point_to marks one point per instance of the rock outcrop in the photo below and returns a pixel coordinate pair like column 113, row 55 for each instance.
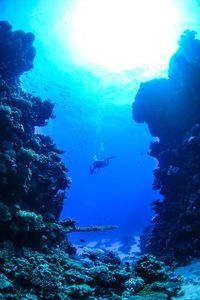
column 32, row 176
column 171, row 108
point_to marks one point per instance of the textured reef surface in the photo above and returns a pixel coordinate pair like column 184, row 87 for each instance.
column 171, row 109
column 36, row 259
column 32, row 177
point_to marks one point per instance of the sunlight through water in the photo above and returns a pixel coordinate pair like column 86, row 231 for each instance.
column 121, row 35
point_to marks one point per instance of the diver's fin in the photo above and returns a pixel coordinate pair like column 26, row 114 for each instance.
column 111, row 157
column 91, row 170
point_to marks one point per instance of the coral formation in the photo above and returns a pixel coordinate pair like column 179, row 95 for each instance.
column 16, row 51
column 54, row 275
column 171, row 107
column 36, row 259
column 32, row 177
column 71, row 226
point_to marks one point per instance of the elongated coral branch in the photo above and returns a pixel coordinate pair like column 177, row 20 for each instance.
column 90, row 228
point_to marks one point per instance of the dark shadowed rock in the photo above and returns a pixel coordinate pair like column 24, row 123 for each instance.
column 171, row 109
column 16, row 51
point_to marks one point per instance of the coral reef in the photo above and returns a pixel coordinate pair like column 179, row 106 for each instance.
column 36, row 259
column 54, row 275
column 32, row 177
column 171, row 109
column 16, row 51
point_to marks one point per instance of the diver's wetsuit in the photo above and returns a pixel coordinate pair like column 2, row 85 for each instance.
column 98, row 164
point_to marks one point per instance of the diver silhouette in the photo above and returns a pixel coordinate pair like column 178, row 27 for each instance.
column 98, row 164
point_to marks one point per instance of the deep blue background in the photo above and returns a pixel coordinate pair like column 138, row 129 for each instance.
column 93, row 117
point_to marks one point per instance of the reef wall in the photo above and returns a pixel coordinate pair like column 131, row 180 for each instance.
column 32, row 177
column 35, row 260
column 171, row 109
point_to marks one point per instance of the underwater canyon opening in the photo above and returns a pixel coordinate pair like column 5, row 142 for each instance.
column 96, row 106
column 81, row 144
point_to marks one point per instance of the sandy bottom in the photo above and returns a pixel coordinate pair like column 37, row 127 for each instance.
column 191, row 280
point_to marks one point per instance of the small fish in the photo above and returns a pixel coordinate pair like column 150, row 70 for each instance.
column 82, row 241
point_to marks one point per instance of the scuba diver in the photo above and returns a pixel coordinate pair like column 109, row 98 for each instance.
column 98, row 164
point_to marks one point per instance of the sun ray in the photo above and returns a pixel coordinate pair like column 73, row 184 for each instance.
column 123, row 34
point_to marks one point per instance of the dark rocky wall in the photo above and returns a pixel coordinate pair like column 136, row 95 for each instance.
column 32, row 177
column 171, row 108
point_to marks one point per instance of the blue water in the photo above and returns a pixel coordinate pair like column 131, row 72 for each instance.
column 93, row 117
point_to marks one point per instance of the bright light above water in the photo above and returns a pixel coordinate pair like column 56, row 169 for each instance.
column 123, row 34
